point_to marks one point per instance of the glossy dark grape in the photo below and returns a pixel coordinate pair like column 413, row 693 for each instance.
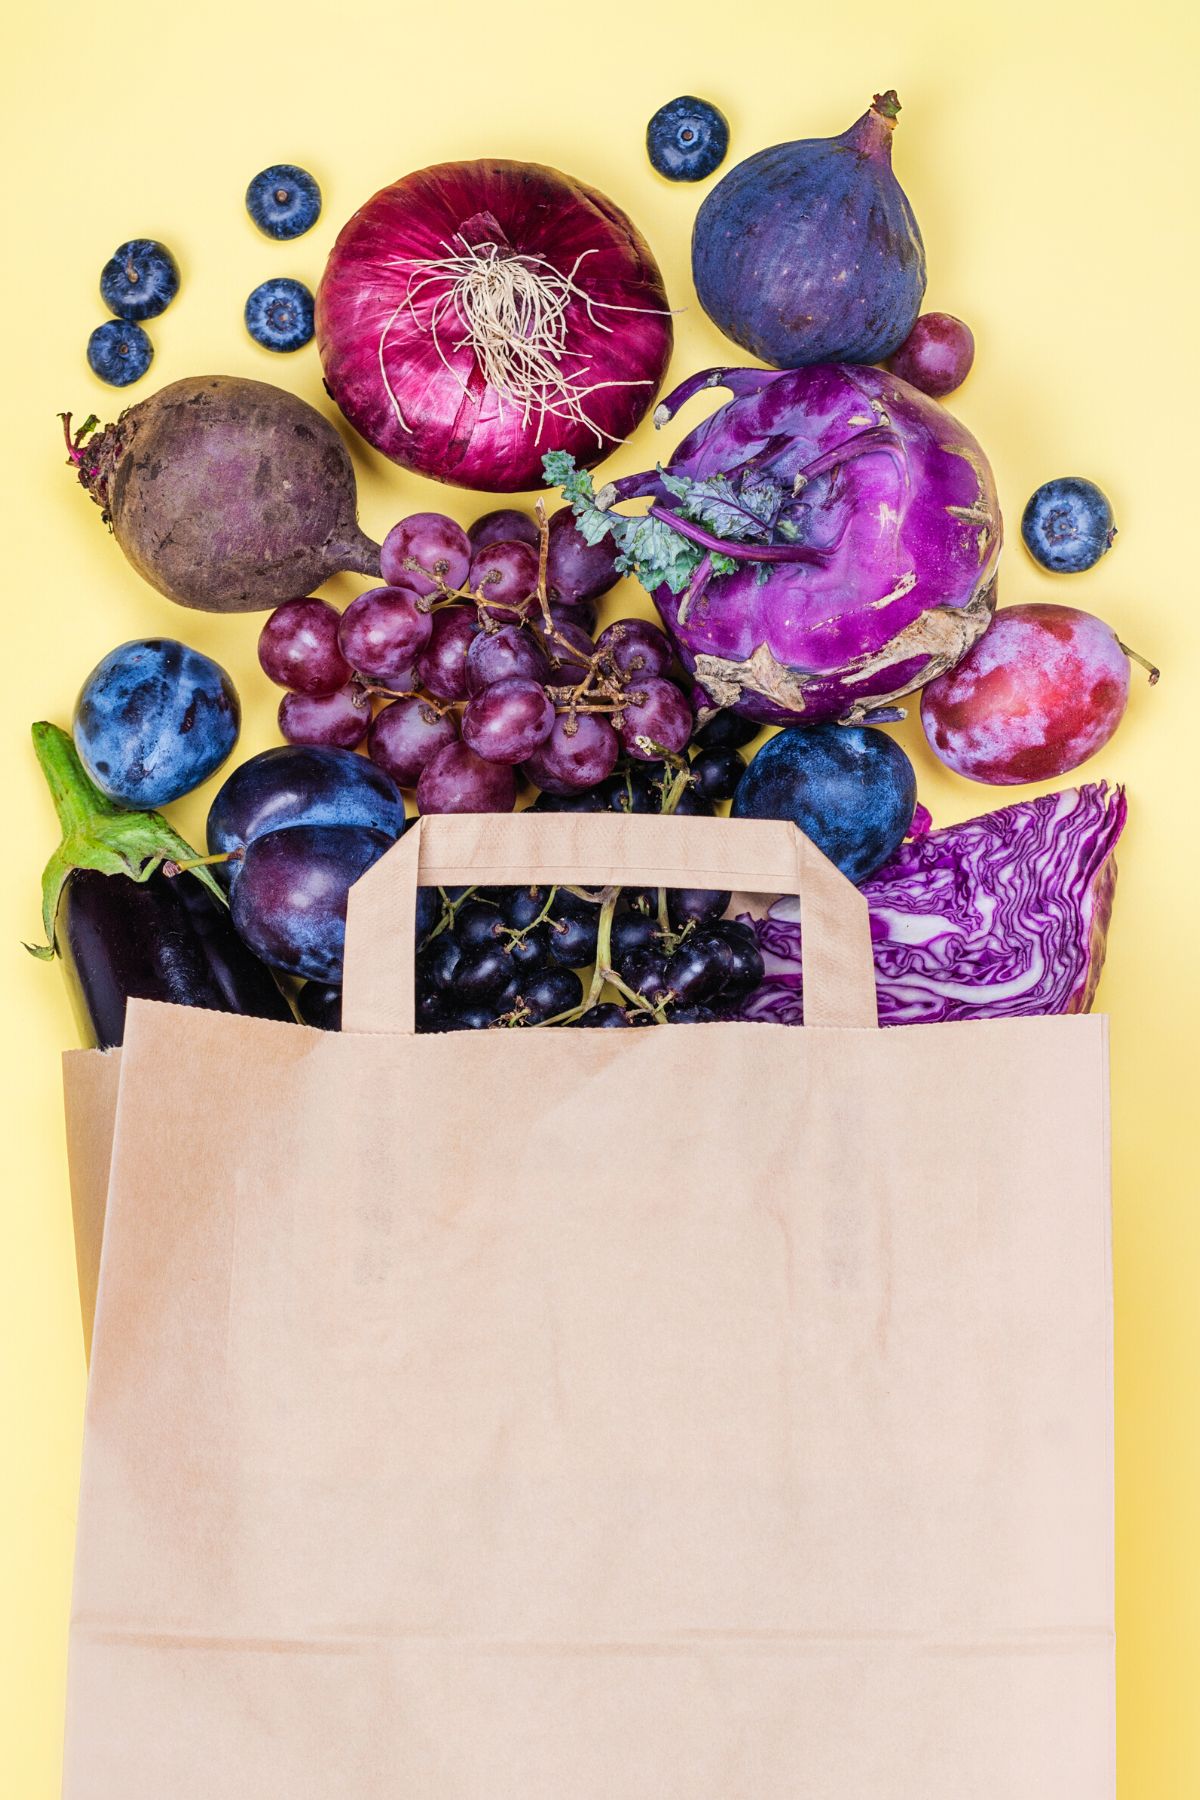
column 748, row 968
column 636, row 647
column 716, row 773
column 582, row 614
column 438, row 963
column 520, row 906
column 699, row 968
column 633, row 934
column 289, row 902
column 456, row 780
column 646, row 974
column 442, row 665
column 495, row 655
column 298, row 648
column 725, row 730
column 691, row 1015
column 320, row 1004
column 604, row 1016
column 383, row 632
column 575, row 569
column 505, row 575
column 631, row 790
column 550, row 992
column 481, row 975
column 472, row 1018
column 506, row 723
column 340, row 721
column 531, row 952
column 655, row 710
column 406, row 735
column 697, row 906
column 477, row 923
column 577, row 754
column 573, row 941
column 425, row 552
column 505, row 525
column 590, row 800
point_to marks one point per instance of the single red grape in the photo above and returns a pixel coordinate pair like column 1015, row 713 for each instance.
column 442, row 665
column 383, row 632
column 936, row 356
column 505, row 723
column 654, row 709
column 575, row 569
column 568, row 667
column 636, row 647
column 339, row 720
column 425, row 552
column 582, row 614
column 570, row 760
column 298, row 648
column 408, row 734
column 456, row 780
column 505, row 525
column 495, row 655
column 506, row 575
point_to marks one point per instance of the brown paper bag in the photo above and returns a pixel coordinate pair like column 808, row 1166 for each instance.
column 719, row 1412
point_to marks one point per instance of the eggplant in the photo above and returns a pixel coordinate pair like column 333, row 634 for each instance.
column 124, row 924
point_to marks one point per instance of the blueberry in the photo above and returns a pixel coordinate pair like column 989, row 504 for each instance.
column 850, row 788
column 279, row 315
column 153, row 720
column 119, row 352
column 1068, row 525
column 687, row 139
column 139, row 280
column 284, row 201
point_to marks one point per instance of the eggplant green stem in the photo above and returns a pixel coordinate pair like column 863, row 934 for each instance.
column 97, row 833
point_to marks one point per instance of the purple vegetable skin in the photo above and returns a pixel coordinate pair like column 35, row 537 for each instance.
column 885, row 574
column 1003, row 917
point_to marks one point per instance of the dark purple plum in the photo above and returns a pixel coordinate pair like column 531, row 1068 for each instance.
column 850, row 788
column 339, row 720
column 301, row 785
column 406, row 735
column 289, row 903
column 298, row 648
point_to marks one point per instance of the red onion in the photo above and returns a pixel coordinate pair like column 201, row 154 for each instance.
column 475, row 315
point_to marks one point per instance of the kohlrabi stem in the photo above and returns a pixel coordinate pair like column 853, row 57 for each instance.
column 1148, row 666
column 740, row 552
column 738, row 381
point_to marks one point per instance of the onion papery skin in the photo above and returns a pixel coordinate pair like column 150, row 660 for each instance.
column 460, row 429
column 1003, row 917
column 906, row 535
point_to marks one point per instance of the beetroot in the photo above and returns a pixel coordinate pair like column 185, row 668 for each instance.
column 227, row 495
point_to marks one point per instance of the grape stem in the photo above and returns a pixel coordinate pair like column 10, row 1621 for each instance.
column 449, row 912
column 519, row 934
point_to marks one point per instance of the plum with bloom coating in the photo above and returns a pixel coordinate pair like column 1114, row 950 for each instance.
column 849, row 788
column 153, row 720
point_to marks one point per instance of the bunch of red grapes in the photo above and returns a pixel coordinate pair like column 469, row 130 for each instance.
column 480, row 649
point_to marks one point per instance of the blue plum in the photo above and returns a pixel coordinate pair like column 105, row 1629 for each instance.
column 153, row 720
column 1068, row 525
column 302, row 785
column 289, row 903
column 849, row 788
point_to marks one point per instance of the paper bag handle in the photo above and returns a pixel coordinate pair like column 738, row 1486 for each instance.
column 763, row 856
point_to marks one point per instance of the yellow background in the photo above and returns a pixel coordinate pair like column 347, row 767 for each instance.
column 1048, row 151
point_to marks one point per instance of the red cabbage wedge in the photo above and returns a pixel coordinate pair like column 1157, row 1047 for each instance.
column 1003, row 917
